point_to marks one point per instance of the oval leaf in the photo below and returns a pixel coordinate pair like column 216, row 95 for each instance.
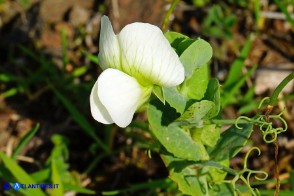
column 174, row 139
column 231, row 142
column 196, row 55
column 196, row 112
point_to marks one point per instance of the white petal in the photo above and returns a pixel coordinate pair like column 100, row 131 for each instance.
column 98, row 111
column 109, row 51
column 120, row 94
column 147, row 55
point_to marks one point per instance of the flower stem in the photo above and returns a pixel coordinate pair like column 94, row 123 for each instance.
column 167, row 15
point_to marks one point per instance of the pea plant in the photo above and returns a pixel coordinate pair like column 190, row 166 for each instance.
column 168, row 76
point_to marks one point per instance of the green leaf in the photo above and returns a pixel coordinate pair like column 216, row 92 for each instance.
column 175, row 99
column 196, row 113
column 20, row 175
column 230, row 20
column 9, row 93
column 79, row 71
column 79, row 118
column 176, row 140
column 229, row 94
column 184, row 45
column 213, row 94
column 193, row 178
column 64, row 47
column 200, row 3
column 196, row 55
column 41, row 176
column 56, row 179
column 4, row 77
column 59, row 155
column 5, row 174
column 60, row 151
column 183, row 174
column 217, row 174
column 175, row 38
column 208, row 134
column 24, row 140
column 215, row 31
column 236, row 69
column 231, row 142
column 222, row 189
column 251, row 106
column 250, row 94
column 284, row 9
column 91, row 57
column 245, row 190
column 195, row 86
column 78, row 189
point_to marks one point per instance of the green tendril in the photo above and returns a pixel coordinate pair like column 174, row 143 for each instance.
column 247, row 155
column 264, row 122
column 250, row 172
column 241, row 118
column 270, row 134
column 244, row 175
column 268, row 129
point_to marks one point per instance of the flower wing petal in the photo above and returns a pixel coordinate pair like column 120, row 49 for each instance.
column 120, row 94
column 109, row 51
column 98, row 111
column 147, row 55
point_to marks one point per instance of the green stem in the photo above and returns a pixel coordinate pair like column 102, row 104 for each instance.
column 218, row 166
column 279, row 88
column 167, row 16
column 229, row 121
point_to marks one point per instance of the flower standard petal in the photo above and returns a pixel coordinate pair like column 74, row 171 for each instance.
column 147, row 55
column 121, row 95
column 109, row 51
column 98, row 111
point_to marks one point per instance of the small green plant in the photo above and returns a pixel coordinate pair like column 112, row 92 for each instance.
column 185, row 116
column 55, row 171
column 194, row 151
column 218, row 24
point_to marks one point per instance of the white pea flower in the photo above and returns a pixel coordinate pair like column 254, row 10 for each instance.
column 133, row 61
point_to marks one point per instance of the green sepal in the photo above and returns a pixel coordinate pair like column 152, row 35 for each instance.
column 158, row 92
